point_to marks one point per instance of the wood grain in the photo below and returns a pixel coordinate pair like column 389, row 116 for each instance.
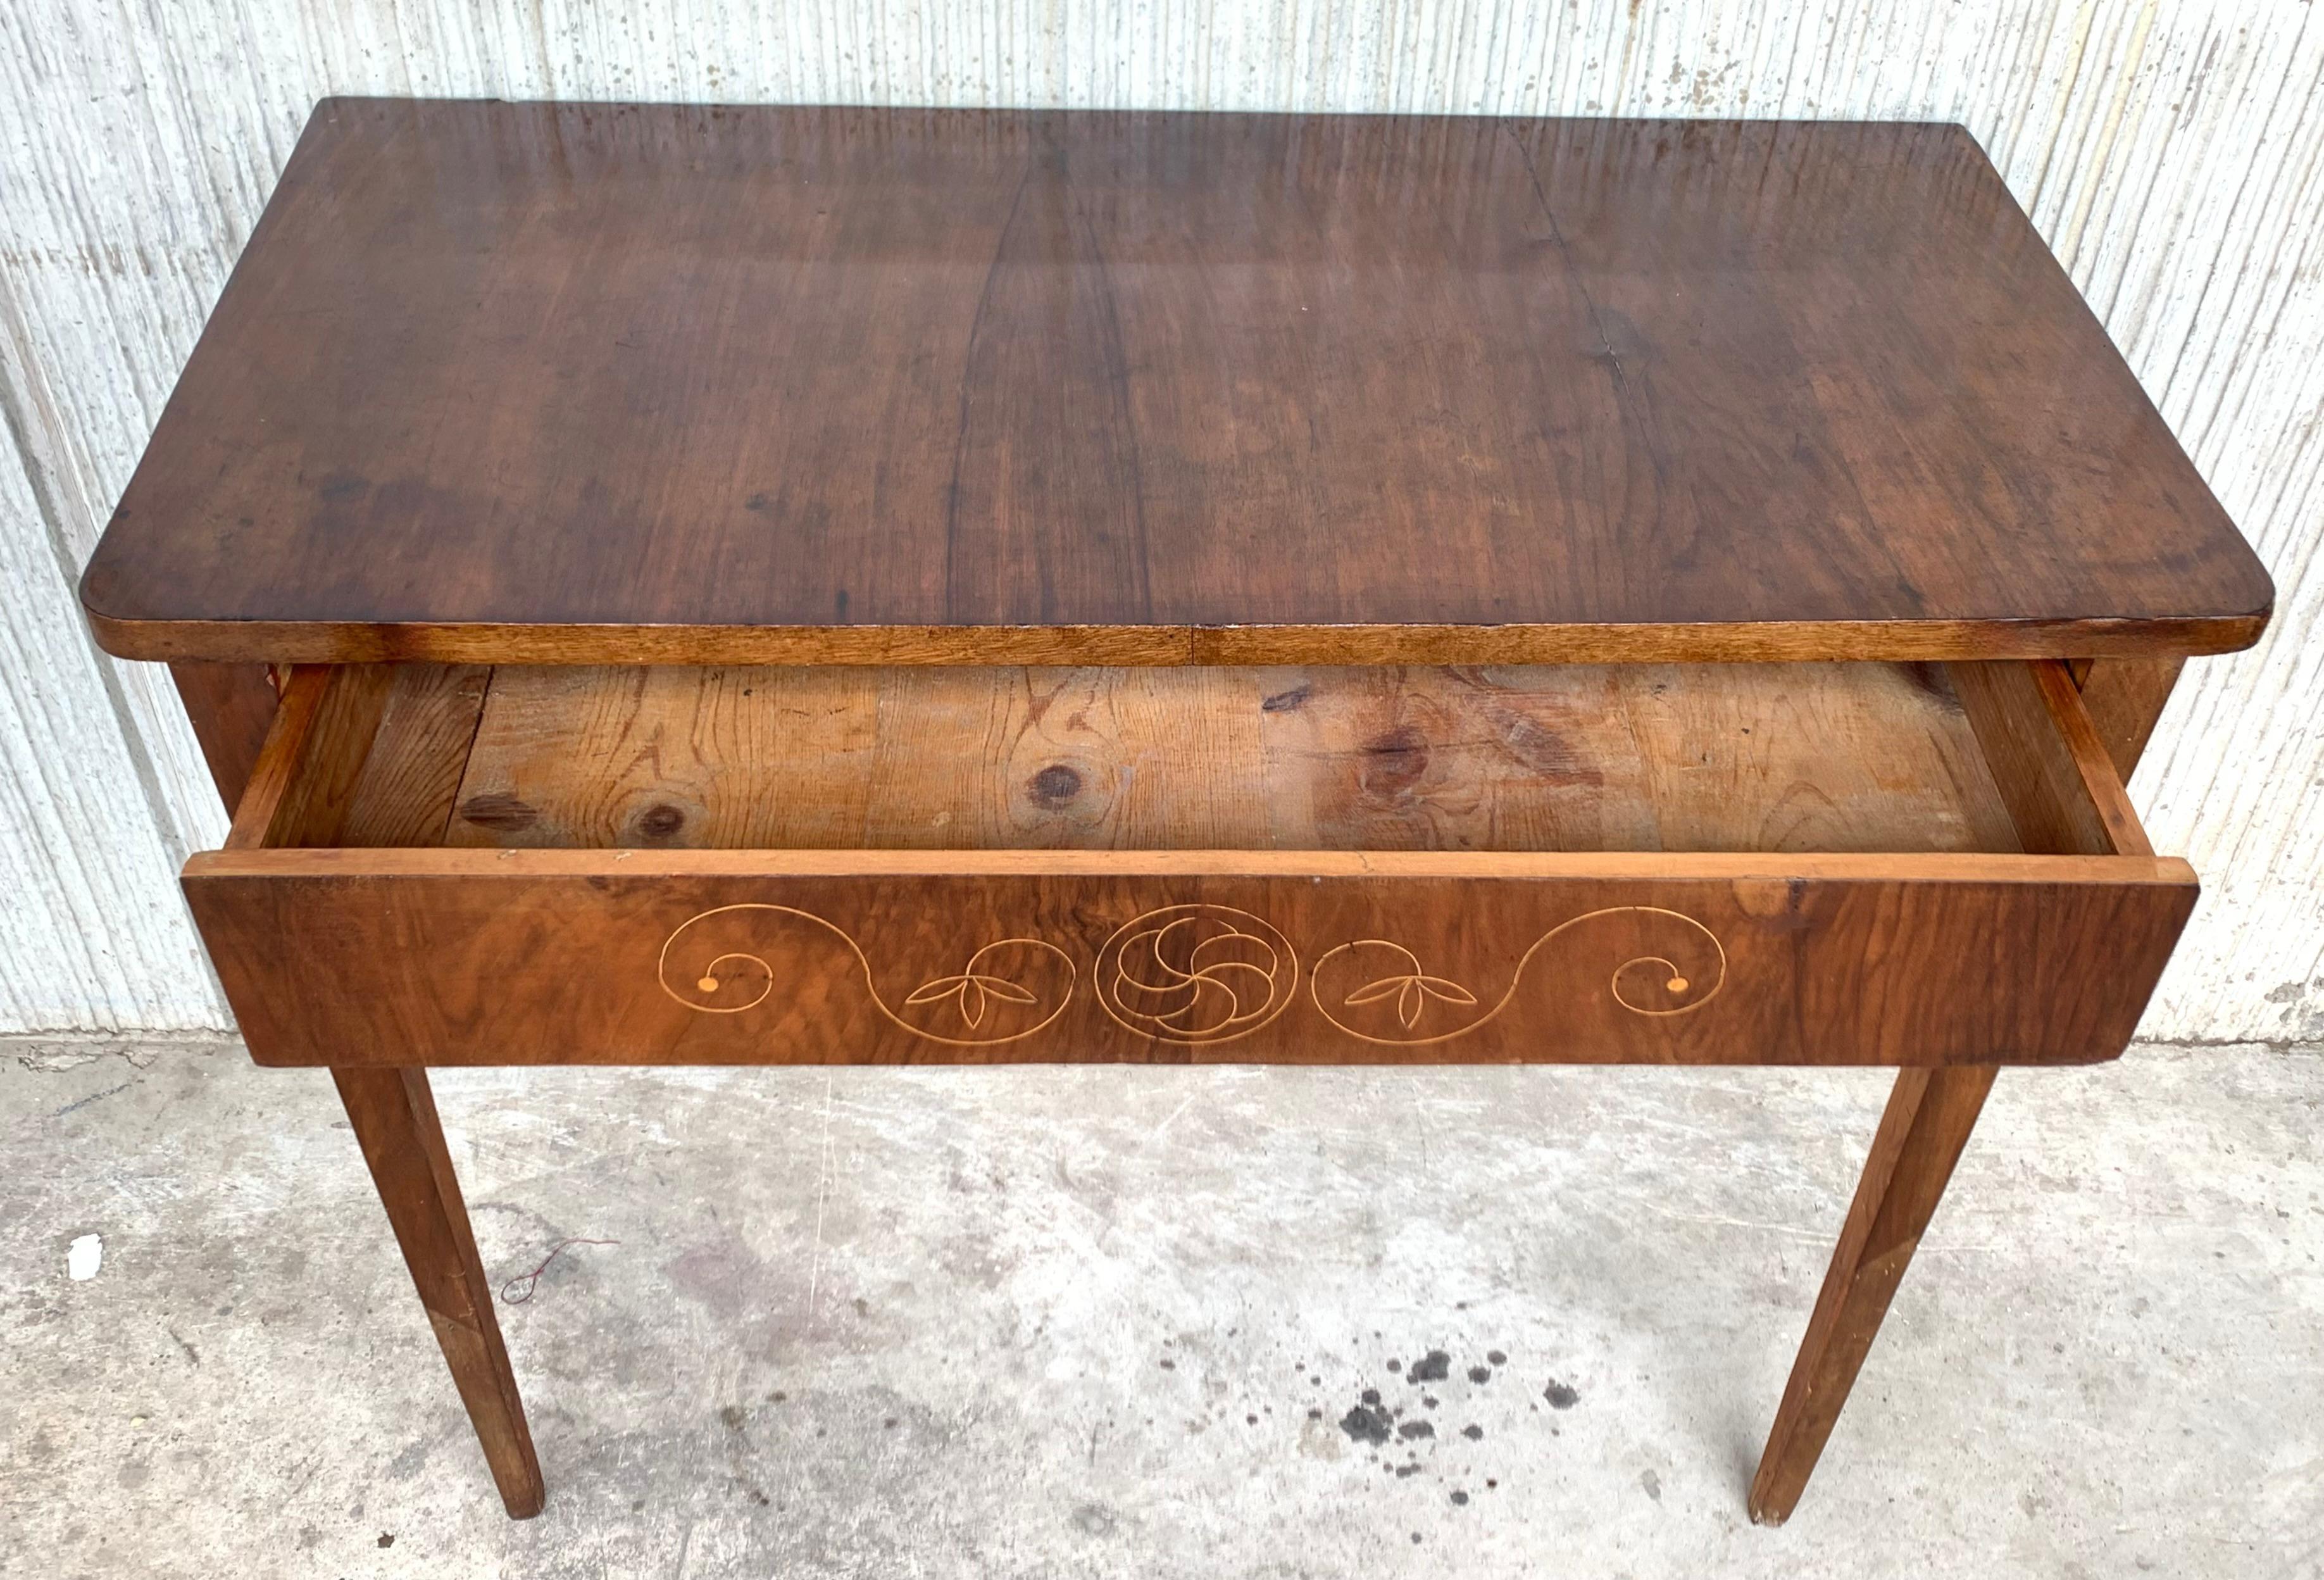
column 2051, row 767
column 1770, row 757
column 2061, row 777
column 1923, row 1131
column 898, row 847
column 393, row 1115
column 277, row 778
column 626, row 383
column 231, row 707
column 2125, row 699
column 363, row 754
column 412, row 771
column 329, row 722
column 451, row 957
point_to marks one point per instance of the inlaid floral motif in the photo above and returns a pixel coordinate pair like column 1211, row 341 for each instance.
column 1192, row 973
column 1681, row 966
column 702, row 968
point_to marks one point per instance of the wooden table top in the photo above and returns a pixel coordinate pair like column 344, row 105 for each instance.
column 533, row 382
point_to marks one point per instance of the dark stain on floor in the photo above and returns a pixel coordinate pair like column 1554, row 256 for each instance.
column 734, row 1419
column 1413, row 1445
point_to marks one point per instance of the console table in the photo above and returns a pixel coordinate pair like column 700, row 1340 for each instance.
column 675, row 584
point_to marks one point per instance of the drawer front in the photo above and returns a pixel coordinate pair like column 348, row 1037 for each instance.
column 371, row 956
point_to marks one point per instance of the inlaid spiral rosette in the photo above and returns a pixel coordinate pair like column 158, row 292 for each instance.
column 1196, row 973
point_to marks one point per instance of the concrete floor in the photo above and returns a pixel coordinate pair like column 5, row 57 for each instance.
column 1064, row 1322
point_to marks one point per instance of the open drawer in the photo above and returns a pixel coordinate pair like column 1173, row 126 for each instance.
column 1825, row 864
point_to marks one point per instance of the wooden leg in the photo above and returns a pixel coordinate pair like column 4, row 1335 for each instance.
column 232, row 708
column 394, row 1117
column 1922, row 1133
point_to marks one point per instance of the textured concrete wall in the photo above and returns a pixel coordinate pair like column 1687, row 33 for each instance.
column 2173, row 154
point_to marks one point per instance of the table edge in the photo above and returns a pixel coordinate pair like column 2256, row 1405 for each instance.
column 1740, row 642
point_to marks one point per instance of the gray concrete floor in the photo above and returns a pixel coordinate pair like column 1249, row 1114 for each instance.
column 1096, row 1321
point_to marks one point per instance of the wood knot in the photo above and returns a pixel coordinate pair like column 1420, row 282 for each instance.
column 661, row 820
column 1054, row 786
column 1394, row 762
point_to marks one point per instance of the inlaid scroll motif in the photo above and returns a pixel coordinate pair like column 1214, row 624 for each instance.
column 1656, row 962
column 1196, row 973
column 736, row 958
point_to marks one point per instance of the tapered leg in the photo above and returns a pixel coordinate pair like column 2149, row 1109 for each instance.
column 1922, row 1133
column 394, row 1117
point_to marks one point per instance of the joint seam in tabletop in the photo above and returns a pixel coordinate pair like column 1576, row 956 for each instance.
column 968, row 361
column 1117, row 367
column 1589, row 302
column 1633, row 399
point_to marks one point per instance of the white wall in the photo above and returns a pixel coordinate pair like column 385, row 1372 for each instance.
column 2172, row 155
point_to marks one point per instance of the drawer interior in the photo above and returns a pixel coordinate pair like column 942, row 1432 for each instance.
column 1841, row 758
column 1779, row 863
